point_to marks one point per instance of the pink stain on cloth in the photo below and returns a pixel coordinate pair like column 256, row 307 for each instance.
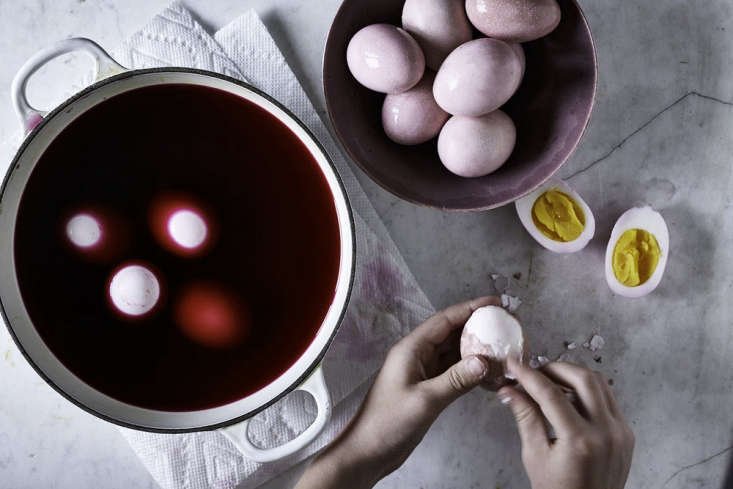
column 386, row 302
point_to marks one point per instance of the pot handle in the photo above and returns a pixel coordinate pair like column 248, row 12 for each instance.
column 238, row 433
column 104, row 66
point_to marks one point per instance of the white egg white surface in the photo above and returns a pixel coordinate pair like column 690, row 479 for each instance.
column 493, row 332
column 649, row 220
column 524, row 210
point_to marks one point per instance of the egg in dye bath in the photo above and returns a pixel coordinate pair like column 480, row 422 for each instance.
column 182, row 225
column 211, row 316
column 473, row 147
column 413, row 117
column 514, row 20
column 134, row 290
column 385, row 58
column 557, row 217
column 522, row 57
column 96, row 234
column 637, row 252
column 84, row 230
column 438, row 26
column 478, row 77
column 495, row 334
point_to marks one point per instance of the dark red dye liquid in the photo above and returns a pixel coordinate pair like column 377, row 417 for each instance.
column 277, row 246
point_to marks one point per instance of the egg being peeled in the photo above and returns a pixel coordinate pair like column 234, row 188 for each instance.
column 514, row 20
column 494, row 334
column 478, row 77
column 438, row 26
column 477, row 146
column 413, row 117
column 637, row 252
column 385, row 58
column 557, row 217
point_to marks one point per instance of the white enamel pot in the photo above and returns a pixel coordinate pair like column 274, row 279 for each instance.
column 231, row 419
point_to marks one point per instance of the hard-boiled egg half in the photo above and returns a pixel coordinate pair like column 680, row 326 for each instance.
column 557, row 217
column 637, row 252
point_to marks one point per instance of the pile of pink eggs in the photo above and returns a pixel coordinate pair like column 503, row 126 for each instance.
column 441, row 82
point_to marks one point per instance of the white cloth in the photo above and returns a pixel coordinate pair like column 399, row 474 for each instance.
column 386, row 301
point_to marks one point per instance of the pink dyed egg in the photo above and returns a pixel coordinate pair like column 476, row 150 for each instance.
column 438, row 26
column 478, row 77
column 476, row 146
column 522, row 58
column 413, row 117
column 514, row 20
column 385, row 58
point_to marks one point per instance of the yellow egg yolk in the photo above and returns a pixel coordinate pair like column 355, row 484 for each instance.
column 635, row 257
column 558, row 216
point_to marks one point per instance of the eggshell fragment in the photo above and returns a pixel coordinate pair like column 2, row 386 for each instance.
column 385, row 58
column 413, row 117
column 476, row 146
column 649, row 220
column 524, row 208
column 495, row 334
column 514, row 20
column 478, row 77
column 438, row 26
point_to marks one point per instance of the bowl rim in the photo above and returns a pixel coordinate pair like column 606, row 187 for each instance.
column 365, row 168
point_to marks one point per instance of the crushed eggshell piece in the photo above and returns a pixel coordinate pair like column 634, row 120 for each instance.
column 595, row 343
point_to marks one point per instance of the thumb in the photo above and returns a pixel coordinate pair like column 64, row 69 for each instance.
column 529, row 417
column 457, row 380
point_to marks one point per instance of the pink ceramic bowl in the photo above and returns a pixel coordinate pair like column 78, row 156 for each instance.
column 551, row 110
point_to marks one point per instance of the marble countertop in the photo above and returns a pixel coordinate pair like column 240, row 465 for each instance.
column 660, row 133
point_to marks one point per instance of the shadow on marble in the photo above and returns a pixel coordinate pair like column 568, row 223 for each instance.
column 728, row 484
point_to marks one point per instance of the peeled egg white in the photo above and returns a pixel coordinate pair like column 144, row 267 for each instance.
column 524, row 210
column 494, row 334
column 651, row 221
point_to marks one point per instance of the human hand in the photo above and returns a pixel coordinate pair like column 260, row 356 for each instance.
column 594, row 443
column 421, row 376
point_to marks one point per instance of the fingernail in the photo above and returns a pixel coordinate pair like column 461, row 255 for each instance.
column 504, row 399
column 477, row 367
